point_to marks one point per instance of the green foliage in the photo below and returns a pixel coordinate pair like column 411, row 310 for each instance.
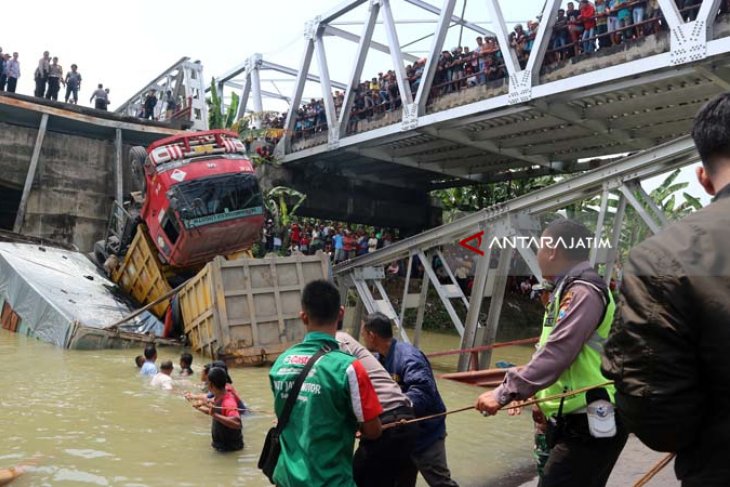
column 215, row 119
column 278, row 201
column 520, row 316
column 232, row 112
column 634, row 230
column 473, row 198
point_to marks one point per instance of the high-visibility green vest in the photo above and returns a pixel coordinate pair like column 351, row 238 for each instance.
column 585, row 371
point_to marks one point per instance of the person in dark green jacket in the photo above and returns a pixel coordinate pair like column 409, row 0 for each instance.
column 668, row 352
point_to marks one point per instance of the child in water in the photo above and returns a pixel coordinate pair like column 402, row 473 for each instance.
column 203, row 386
column 139, row 360
column 186, row 360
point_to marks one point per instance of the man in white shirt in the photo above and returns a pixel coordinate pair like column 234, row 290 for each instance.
column 372, row 243
column 162, row 379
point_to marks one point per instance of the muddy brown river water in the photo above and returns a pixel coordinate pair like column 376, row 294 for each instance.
column 94, row 422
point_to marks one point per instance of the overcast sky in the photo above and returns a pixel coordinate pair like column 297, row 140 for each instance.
column 126, row 44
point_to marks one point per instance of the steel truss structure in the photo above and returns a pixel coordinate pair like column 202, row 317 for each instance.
column 515, row 218
column 616, row 103
column 638, row 99
column 246, row 78
column 185, row 81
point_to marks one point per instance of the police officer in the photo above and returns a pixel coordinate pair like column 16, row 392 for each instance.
column 584, row 436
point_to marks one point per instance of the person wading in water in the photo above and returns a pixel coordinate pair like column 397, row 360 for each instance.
column 226, row 427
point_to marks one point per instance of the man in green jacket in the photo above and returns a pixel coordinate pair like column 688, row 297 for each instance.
column 336, row 399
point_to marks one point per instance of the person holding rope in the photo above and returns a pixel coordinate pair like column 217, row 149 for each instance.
column 410, row 369
column 668, row 351
column 584, row 437
column 335, row 399
column 226, row 427
column 380, row 462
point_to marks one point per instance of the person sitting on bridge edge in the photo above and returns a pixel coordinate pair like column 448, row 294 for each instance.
column 668, row 350
column 380, row 462
column 150, row 355
column 409, row 367
column 584, row 443
column 226, row 427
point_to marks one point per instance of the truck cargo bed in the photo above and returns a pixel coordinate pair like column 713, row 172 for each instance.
column 141, row 274
column 246, row 311
column 58, row 296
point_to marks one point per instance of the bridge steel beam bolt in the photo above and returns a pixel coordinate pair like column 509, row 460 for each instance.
column 689, row 39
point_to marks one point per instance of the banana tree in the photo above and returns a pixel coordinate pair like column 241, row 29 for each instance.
column 666, row 197
column 216, row 120
column 277, row 201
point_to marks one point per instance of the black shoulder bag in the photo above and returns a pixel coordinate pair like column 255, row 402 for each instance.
column 272, row 447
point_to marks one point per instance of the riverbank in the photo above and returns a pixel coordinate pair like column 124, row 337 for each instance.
column 634, row 462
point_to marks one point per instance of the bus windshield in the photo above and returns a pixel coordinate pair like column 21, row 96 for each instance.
column 216, row 199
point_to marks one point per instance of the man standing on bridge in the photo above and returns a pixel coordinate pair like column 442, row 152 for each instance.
column 100, row 97
column 583, row 438
column 41, row 74
column 73, row 85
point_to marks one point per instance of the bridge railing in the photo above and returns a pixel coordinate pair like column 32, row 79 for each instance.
column 412, row 95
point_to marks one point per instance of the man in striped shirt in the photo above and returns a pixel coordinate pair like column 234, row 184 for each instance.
column 336, row 399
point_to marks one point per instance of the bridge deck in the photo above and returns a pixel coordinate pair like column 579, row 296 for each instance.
column 617, row 100
column 26, row 111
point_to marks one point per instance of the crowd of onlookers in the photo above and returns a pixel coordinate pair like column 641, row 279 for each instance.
column 340, row 241
column 9, row 71
column 583, row 27
column 49, row 78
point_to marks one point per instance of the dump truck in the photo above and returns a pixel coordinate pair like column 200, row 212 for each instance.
column 176, row 243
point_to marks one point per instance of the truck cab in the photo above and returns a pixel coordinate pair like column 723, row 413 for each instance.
column 202, row 197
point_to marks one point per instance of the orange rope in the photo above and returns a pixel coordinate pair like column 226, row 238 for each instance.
column 654, row 470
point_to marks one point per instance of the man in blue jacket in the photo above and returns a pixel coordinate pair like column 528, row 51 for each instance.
column 410, row 368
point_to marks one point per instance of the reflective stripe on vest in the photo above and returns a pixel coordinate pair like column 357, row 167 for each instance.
column 585, row 371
